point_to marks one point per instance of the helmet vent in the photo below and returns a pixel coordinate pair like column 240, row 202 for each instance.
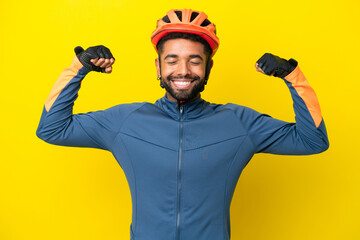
column 179, row 15
column 166, row 19
column 205, row 23
column 193, row 16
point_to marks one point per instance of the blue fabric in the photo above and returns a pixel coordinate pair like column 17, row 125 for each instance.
column 180, row 195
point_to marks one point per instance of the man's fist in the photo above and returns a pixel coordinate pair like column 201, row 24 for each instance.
column 275, row 66
column 98, row 58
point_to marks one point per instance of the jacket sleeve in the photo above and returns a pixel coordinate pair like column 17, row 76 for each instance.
column 307, row 136
column 59, row 126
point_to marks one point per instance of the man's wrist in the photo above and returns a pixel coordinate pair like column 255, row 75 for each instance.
column 293, row 63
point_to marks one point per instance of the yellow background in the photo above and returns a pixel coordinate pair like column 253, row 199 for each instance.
column 52, row 192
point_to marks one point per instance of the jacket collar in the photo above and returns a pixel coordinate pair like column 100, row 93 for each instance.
column 192, row 109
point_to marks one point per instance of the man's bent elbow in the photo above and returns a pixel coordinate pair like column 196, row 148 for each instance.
column 322, row 147
column 326, row 145
column 40, row 134
column 45, row 135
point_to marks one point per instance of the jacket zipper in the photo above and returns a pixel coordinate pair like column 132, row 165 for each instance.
column 179, row 173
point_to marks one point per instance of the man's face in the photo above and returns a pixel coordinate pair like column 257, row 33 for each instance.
column 182, row 69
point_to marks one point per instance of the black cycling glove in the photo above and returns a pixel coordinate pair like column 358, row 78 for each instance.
column 272, row 64
column 91, row 53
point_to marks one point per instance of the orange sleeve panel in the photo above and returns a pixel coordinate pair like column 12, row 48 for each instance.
column 64, row 78
column 303, row 89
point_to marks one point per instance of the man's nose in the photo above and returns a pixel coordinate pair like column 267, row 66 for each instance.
column 183, row 69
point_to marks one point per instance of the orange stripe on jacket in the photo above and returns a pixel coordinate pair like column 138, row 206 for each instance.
column 302, row 87
column 64, row 78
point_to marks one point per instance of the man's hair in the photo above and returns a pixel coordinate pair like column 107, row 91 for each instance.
column 189, row 36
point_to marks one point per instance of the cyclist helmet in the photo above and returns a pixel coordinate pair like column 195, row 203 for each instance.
column 187, row 21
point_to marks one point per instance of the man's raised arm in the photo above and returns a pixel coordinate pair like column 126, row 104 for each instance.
column 308, row 135
column 58, row 125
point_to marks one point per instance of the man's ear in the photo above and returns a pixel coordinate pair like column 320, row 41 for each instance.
column 157, row 65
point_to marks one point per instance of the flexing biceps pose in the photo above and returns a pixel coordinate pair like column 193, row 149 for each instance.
column 182, row 156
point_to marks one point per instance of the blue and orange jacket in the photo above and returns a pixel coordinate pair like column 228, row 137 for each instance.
column 182, row 163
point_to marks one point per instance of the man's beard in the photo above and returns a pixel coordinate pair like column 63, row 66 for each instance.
column 183, row 94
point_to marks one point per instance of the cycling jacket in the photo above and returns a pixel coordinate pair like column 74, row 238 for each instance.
column 182, row 163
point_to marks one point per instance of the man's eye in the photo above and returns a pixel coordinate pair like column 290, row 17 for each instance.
column 195, row 63
column 171, row 63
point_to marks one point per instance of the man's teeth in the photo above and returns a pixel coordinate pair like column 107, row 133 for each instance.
column 182, row 83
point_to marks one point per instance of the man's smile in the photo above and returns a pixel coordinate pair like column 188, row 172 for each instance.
column 181, row 84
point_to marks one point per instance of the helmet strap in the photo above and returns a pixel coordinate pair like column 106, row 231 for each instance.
column 207, row 69
column 159, row 77
column 207, row 72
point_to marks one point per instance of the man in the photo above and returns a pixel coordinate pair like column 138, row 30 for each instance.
column 182, row 156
